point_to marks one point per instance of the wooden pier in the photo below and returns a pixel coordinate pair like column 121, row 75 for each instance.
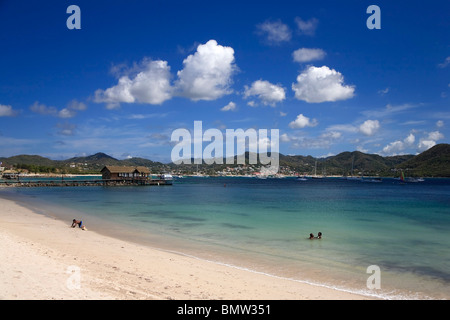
column 86, row 183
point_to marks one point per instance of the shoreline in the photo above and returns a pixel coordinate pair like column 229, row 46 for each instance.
column 42, row 256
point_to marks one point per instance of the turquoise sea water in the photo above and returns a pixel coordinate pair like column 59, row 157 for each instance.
column 263, row 224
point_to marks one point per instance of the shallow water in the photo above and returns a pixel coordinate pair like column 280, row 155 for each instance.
column 263, row 225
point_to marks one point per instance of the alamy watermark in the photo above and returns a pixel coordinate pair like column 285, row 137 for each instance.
column 262, row 148
column 74, row 20
column 73, row 282
column 374, row 21
column 374, row 280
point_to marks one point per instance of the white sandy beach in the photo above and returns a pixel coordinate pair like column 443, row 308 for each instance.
column 43, row 258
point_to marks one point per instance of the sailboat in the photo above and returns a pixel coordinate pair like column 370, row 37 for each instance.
column 410, row 179
column 402, row 178
column 315, row 176
column 352, row 177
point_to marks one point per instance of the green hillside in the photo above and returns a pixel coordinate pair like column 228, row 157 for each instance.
column 434, row 162
column 28, row 159
column 362, row 164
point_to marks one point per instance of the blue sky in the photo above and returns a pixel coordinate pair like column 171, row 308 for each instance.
column 138, row 70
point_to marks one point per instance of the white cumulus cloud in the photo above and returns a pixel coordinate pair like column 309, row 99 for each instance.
column 207, row 73
column 429, row 141
column 6, row 111
column 301, row 122
column 284, row 138
column 307, row 55
column 229, row 107
column 66, row 113
column 69, row 112
column 307, row 27
column 76, row 105
column 275, row 32
column 150, row 85
column 409, row 140
column 315, row 85
column 369, row 127
column 425, row 145
column 398, row 147
column 43, row 109
column 268, row 93
column 435, row 135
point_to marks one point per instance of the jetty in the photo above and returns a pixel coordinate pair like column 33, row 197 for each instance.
column 86, row 183
column 111, row 176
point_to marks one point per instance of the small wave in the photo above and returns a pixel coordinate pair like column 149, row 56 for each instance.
column 388, row 295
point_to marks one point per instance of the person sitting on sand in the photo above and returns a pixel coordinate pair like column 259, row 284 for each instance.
column 319, row 235
column 311, row 236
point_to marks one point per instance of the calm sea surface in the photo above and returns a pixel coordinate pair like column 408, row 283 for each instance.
column 263, row 225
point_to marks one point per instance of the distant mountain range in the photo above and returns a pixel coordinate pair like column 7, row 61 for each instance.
column 90, row 164
column 435, row 162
